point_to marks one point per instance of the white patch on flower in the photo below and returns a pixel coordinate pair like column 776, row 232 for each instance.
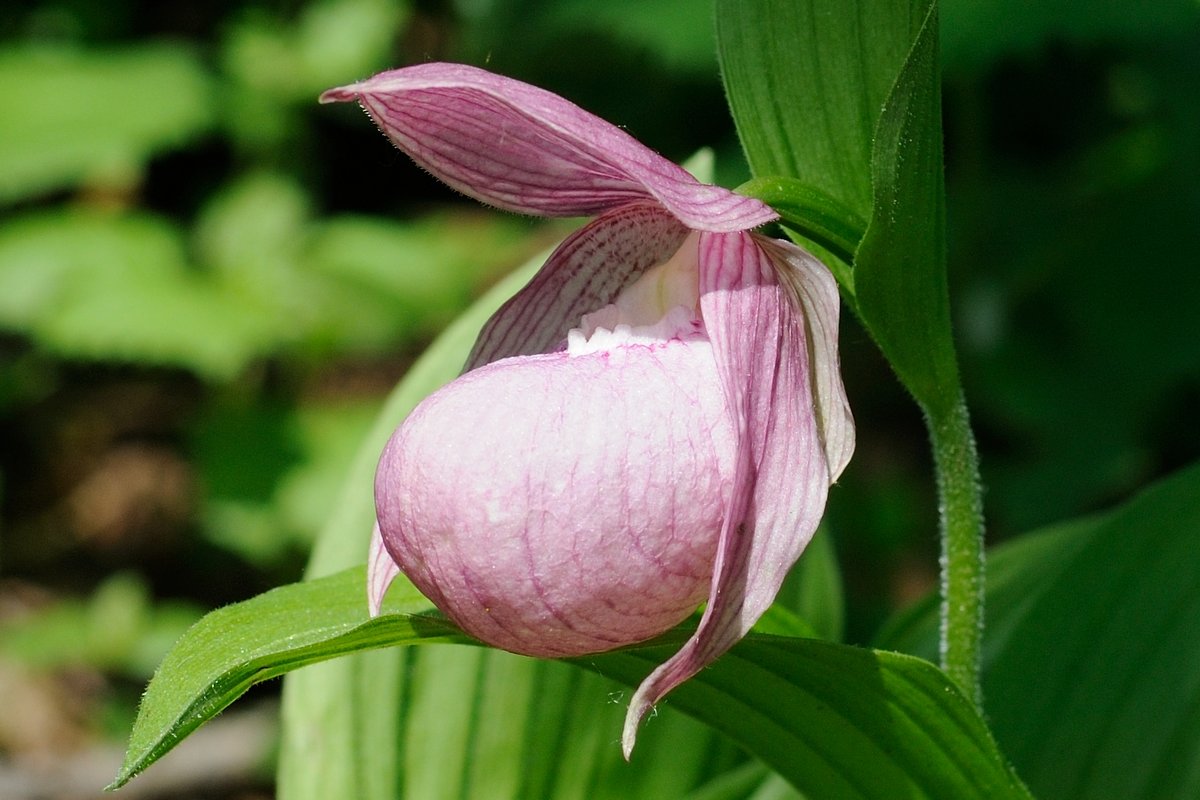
column 594, row 336
column 659, row 306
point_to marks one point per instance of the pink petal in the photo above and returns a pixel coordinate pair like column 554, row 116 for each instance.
column 586, row 272
column 763, row 354
column 381, row 571
column 527, row 150
column 559, row 504
column 815, row 294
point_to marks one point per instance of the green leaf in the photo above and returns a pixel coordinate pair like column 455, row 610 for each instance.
column 1090, row 653
column 71, row 116
column 837, row 721
column 813, row 215
column 864, row 128
column 838, row 107
column 813, row 590
column 235, row 647
column 806, row 80
column 900, row 267
column 452, row 745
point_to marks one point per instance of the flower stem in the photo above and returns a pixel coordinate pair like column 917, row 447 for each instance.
column 960, row 506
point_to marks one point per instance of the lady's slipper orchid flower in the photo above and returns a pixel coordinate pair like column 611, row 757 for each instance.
column 652, row 423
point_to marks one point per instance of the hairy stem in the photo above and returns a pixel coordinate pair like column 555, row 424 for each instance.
column 960, row 507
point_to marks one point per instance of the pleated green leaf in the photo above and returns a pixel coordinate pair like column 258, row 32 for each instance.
column 806, row 80
column 900, row 266
column 836, row 721
column 234, row 647
column 838, row 108
column 1090, row 656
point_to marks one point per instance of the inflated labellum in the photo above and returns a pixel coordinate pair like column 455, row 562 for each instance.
column 652, row 423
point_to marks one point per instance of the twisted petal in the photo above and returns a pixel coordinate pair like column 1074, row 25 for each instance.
column 814, row 293
column 527, row 150
column 766, row 355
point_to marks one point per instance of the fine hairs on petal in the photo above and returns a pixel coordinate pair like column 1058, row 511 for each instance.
column 524, row 149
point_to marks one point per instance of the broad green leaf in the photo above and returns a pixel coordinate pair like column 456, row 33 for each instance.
column 889, row 146
column 837, row 721
column 838, row 107
column 815, row 216
column 840, row 721
column 237, row 646
column 1090, row 653
column 806, row 80
column 813, row 590
column 451, row 745
column 900, row 267
column 71, row 116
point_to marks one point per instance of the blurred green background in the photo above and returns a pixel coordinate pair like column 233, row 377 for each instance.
column 208, row 283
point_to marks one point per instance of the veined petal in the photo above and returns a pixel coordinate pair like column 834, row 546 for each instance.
column 527, row 150
column 562, row 504
column 587, row 271
column 781, row 476
column 815, row 296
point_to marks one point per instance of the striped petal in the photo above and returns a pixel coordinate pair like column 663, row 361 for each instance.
column 586, row 272
column 765, row 353
column 814, row 294
column 524, row 149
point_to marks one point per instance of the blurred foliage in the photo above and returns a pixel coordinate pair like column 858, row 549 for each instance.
column 71, row 116
column 118, row 627
column 208, row 282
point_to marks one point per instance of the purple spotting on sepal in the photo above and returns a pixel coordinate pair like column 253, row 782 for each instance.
column 653, row 422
